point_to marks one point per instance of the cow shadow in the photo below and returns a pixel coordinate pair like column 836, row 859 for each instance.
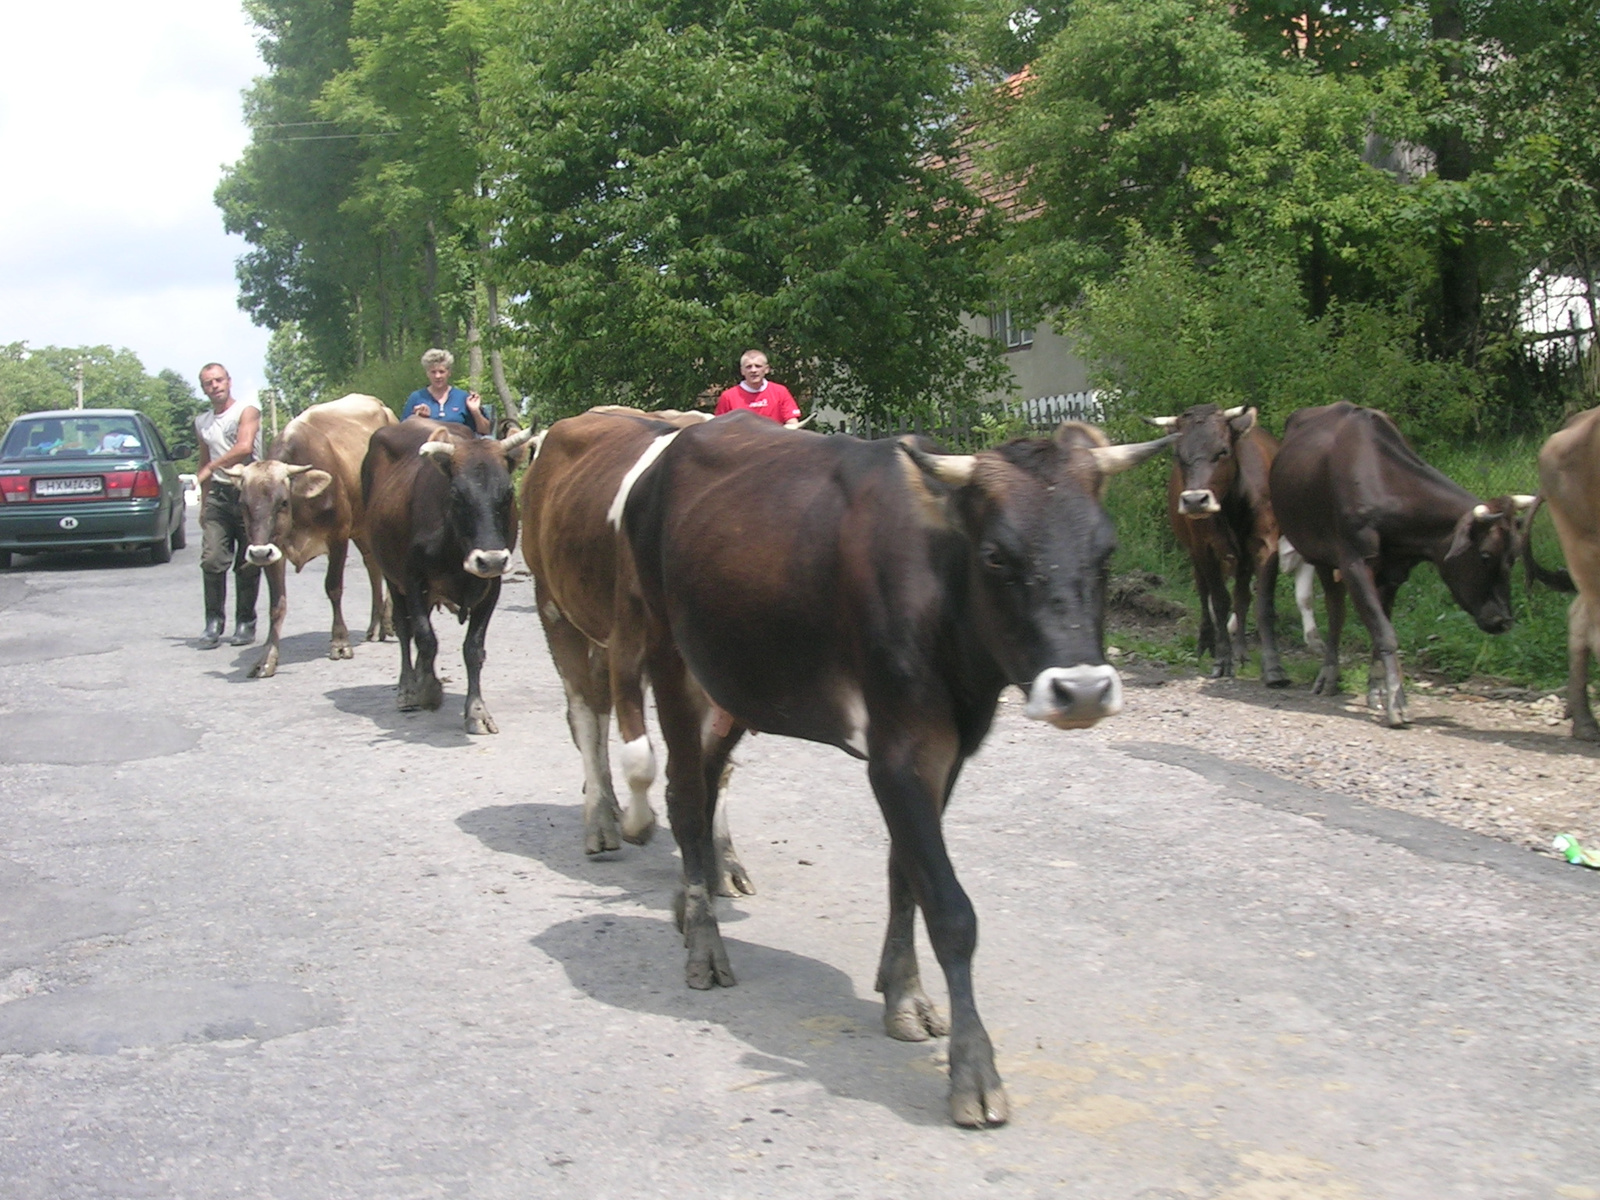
column 375, row 703
column 800, row 1018
column 1349, row 706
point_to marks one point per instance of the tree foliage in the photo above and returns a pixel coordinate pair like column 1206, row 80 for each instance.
column 44, row 378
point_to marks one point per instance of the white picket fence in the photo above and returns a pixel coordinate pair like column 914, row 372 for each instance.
column 1048, row 411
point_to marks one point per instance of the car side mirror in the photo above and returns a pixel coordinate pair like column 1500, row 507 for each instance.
column 181, row 450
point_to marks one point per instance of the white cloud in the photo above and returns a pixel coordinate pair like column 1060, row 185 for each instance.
column 121, row 117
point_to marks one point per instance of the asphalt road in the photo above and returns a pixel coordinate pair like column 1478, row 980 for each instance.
column 275, row 939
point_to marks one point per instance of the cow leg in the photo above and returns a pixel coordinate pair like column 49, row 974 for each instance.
column 477, row 715
column 380, row 625
column 1214, row 596
column 333, row 586
column 901, row 770
column 1327, row 681
column 1266, row 581
column 278, row 607
column 419, row 685
column 625, row 654
column 717, row 747
column 1304, row 600
column 1580, row 644
column 402, row 624
column 1369, row 598
column 909, row 1015
column 584, row 672
column 1206, row 642
column 689, row 813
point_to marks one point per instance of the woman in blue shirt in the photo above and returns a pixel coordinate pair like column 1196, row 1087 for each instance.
column 441, row 402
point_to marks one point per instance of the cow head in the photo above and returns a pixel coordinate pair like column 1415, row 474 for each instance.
column 1205, row 455
column 272, row 497
column 1038, row 542
column 481, row 507
column 1478, row 564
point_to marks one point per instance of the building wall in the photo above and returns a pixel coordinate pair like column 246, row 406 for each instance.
column 1049, row 366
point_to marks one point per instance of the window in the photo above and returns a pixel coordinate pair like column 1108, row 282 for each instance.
column 1004, row 328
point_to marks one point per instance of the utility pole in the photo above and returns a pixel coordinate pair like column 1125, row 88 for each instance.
column 80, row 384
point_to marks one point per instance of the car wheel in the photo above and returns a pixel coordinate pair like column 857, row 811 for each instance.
column 161, row 552
column 180, row 535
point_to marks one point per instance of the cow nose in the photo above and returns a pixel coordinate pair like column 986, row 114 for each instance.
column 1198, row 502
column 487, row 564
column 1075, row 697
column 263, row 556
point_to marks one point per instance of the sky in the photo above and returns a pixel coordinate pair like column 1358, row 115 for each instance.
column 117, row 119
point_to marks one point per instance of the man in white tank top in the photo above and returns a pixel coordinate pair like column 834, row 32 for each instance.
column 229, row 436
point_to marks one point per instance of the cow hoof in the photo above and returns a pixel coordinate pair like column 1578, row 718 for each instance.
column 640, row 835
column 1275, row 678
column 732, row 878
column 266, row 668
column 599, row 841
column 483, row 724
column 430, row 693
column 1586, row 732
column 1222, row 671
column 913, row 1018
column 977, row 1107
column 1326, row 683
column 340, row 650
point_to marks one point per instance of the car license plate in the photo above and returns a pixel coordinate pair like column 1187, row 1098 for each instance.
column 78, row 485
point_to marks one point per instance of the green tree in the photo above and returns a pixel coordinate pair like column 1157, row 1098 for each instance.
column 293, row 370
column 46, row 378
column 673, row 185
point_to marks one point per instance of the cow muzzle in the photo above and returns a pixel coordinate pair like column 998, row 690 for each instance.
column 487, row 564
column 1074, row 697
column 262, row 556
column 1200, row 502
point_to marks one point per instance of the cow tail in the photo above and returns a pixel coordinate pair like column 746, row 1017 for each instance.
column 1560, row 579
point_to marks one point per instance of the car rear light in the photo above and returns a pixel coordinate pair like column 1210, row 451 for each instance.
column 14, row 487
column 119, row 484
column 146, row 486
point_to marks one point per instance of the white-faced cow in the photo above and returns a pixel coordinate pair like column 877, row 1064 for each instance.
column 1220, row 512
column 1569, row 482
column 441, row 516
column 878, row 598
column 1364, row 509
column 304, row 499
column 572, row 551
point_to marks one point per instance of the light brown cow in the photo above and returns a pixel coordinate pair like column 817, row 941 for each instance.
column 303, row 500
column 576, row 558
column 1569, row 483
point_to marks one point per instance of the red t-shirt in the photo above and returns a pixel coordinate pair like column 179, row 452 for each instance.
column 772, row 401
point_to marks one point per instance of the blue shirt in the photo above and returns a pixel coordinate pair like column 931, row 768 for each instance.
column 452, row 408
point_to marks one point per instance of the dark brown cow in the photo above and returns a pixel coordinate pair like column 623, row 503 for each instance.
column 878, row 598
column 303, row 500
column 571, row 550
column 1220, row 512
column 1364, row 509
column 1569, row 483
column 442, row 520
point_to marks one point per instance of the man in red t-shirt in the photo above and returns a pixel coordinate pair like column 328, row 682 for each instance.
column 759, row 394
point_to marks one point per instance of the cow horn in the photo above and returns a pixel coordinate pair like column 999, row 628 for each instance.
column 1163, row 422
column 441, row 450
column 953, row 469
column 1483, row 514
column 230, row 475
column 1113, row 460
column 1240, row 411
column 1522, row 503
column 298, row 468
column 517, row 440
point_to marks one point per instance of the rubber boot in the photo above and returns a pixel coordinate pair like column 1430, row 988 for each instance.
column 216, row 609
column 244, row 607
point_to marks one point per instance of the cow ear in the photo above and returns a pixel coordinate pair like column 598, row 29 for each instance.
column 1462, row 541
column 307, row 485
column 1242, row 422
column 441, row 454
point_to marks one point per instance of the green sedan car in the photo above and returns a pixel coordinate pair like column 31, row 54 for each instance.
column 88, row 479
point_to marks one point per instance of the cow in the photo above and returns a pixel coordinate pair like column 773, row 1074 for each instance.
column 1291, row 562
column 304, row 499
column 442, row 520
column 1569, row 483
column 877, row 597
column 571, row 551
column 1360, row 505
column 1219, row 510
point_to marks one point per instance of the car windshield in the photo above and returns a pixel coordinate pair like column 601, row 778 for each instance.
column 72, row 437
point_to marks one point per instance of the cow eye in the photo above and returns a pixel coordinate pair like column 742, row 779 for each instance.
column 994, row 559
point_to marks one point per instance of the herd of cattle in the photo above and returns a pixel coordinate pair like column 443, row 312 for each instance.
column 877, row 596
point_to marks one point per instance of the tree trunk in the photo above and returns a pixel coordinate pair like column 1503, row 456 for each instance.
column 430, row 276
column 1460, row 294
column 497, row 367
